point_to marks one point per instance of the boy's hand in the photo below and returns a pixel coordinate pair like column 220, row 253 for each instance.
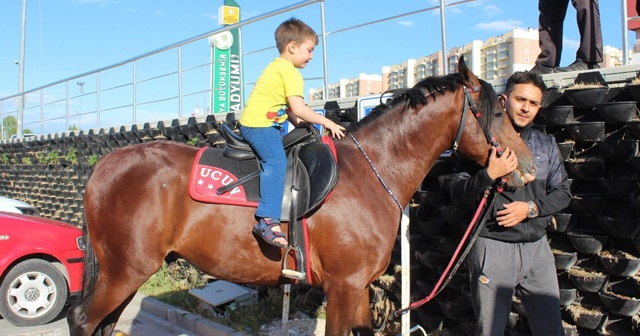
column 335, row 129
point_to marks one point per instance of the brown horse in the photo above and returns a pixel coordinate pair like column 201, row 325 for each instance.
column 138, row 210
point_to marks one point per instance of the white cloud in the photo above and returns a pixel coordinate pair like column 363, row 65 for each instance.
column 500, row 26
column 491, row 10
column 570, row 44
column 100, row 2
column 406, row 23
column 476, row 3
column 210, row 16
column 249, row 14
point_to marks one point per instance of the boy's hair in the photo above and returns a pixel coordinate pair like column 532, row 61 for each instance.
column 524, row 77
column 294, row 30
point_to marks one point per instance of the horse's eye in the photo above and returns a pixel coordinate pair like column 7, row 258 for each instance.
column 498, row 114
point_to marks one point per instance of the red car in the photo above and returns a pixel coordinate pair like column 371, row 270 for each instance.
column 40, row 267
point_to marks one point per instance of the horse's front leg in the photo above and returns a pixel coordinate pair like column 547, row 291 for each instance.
column 362, row 322
column 348, row 309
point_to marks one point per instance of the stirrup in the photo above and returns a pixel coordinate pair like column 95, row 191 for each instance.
column 291, row 273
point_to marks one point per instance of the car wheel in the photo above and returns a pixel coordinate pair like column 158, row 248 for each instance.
column 33, row 293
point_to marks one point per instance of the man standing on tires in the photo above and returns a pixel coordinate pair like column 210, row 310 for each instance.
column 551, row 21
column 511, row 255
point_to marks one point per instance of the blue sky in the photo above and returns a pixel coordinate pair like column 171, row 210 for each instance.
column 69, row 37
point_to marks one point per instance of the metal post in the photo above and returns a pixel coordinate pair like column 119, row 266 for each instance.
column 180, row 82
column 41, row 111
column 285, row 303
column 19, row 122
column 625, row 33
column 405, row 257
column 66, row 89
column 325, row 92
column 98, row 100
column 443, row 29
column 135, row 83
column 81, row 85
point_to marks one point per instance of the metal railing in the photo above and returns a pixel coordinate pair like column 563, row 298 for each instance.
column 130, row 92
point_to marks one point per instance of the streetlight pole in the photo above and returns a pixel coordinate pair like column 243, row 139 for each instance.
column 20, row 118
column 81, row 85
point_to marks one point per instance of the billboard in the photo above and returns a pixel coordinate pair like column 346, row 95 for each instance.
column 226, row 83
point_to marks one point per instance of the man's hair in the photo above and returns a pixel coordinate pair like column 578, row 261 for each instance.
column 294, row 30
column 524, row 77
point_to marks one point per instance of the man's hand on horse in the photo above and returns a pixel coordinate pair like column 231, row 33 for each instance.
column 502, row 165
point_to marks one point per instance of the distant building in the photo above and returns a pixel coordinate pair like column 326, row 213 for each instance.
column 428, row 66
column 512, row 51
column 472, row 56
column 613, row 57
column 402, row 75
column 364, row 84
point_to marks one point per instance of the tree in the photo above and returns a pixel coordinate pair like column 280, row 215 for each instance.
column 10, row 127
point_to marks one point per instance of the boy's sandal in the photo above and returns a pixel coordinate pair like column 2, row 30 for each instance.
column 264, row 230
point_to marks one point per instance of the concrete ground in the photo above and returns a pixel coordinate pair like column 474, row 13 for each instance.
column 143, row 317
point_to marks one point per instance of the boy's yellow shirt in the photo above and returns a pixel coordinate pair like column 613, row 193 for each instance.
column 267, row 105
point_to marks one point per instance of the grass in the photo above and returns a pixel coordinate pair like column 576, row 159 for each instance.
column 173, row 281
column 171, row 284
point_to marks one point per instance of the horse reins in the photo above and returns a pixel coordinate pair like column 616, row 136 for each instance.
column 451, row 269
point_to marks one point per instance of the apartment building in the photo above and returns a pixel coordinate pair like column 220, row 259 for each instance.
column 402, row 75
column 512, row 51
column 362, row 85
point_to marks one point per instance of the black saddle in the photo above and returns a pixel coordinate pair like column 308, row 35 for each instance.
column 311, row 168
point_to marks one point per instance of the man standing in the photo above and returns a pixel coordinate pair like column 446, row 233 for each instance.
column 551, row 21
column 511, row 255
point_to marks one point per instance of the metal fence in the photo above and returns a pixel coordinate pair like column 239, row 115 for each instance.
column 134, row 91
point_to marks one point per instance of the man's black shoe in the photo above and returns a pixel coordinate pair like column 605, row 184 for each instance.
column 578, row 65
column 541, row 69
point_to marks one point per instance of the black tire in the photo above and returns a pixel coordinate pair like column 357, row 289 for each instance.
column 32, row 293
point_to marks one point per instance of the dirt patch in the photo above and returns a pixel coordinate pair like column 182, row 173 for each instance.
column 299, row 324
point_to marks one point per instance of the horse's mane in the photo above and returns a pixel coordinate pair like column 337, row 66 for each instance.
column 432, row 86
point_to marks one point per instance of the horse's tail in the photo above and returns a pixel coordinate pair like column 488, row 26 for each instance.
column 91, row 268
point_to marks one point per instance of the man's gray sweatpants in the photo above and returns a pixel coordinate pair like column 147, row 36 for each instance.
column 499, row 269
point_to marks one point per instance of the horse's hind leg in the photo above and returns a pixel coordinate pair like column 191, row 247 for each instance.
column 97, row 314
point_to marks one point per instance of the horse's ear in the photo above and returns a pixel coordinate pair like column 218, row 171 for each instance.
column 466, row 73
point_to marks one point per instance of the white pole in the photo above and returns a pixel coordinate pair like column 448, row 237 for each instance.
column 406, row 266
column 21, row 70
column 285, row 303
column 625, row 34
column 443, row 29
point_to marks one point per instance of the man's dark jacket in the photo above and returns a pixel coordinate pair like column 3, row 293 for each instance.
column 550, row 190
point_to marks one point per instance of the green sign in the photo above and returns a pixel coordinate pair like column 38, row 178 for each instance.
column 227, row 66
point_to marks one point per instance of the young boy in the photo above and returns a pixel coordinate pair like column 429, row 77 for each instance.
column 278, row 95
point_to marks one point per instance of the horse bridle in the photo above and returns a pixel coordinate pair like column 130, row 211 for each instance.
column 469, row 103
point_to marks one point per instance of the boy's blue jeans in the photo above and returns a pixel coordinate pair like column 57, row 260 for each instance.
column 266, row 142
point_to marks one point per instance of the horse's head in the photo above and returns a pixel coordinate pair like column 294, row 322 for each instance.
column 496, row 129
